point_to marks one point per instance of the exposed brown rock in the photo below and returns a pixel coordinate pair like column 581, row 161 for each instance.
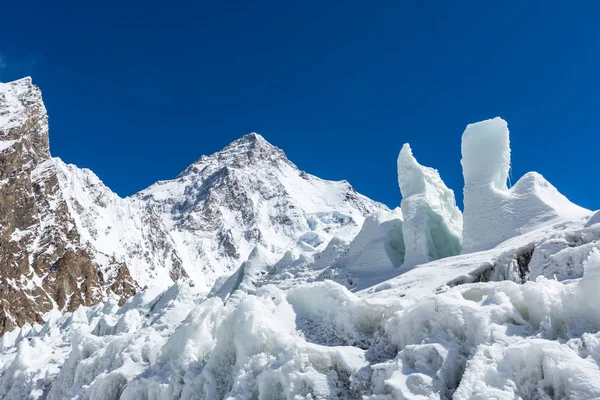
column 42, row 261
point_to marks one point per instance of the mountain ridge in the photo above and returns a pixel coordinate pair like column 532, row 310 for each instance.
column 196, row 227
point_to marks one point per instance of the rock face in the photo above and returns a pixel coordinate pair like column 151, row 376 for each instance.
column 67, row 240
column 120, row 229
column 432, row 226
column 493, row 212
column 43, row 262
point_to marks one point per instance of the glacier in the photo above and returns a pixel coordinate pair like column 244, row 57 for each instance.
column 255, row 280
column 486, row 339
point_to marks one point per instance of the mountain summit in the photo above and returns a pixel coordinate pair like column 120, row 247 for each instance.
column 250, row 194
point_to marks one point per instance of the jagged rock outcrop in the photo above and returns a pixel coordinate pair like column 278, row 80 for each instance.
column 432, row 226
column 43, row 263
column 67, row 240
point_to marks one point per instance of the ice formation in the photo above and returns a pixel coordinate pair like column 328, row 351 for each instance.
column 378, row 246
column 494, row 213
column 432, row 222
column 375, row 253
column 244, row 279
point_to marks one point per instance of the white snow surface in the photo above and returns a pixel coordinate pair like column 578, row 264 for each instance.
column 487, row 336
column 493, row 212
column 432, row 222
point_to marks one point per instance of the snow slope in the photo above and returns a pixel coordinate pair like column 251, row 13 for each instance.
column 120, row 229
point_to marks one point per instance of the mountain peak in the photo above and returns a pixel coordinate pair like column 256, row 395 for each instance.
column 248, row 142
column 21, row 101
column 254, row 137
column 25, row 81
column 19, row 89
column 250, row 149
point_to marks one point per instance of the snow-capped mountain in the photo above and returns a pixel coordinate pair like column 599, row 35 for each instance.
column 61, row 223
column 246, row 195
column 288, row 286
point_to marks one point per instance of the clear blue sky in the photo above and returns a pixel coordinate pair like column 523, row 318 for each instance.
column 137, row 91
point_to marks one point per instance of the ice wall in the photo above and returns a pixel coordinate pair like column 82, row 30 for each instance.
column 378, row 247
column 432, row 226
column 493, row 212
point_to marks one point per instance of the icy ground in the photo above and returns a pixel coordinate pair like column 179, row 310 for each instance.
column 409, row 337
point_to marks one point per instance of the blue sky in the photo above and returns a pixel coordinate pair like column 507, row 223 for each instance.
column 138, row 91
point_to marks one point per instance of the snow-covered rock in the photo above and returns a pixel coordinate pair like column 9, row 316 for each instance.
column 224, row 205
column 432, row 222
column 44, row 264
column 494, row 213
column 66, row 239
